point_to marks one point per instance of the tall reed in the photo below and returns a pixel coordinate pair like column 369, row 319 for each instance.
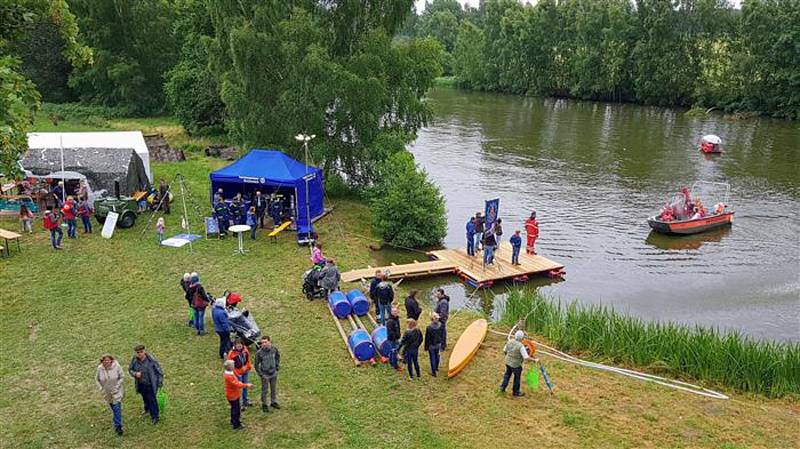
column 726, row 358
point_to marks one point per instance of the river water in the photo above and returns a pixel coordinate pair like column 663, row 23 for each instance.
column 594, row 172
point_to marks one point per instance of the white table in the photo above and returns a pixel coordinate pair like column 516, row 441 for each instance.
column 240, row 229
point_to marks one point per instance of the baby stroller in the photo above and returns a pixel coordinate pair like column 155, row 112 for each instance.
column 311, row 287
column 242, row 322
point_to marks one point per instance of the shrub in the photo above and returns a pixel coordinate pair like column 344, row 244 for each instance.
column 408, row 209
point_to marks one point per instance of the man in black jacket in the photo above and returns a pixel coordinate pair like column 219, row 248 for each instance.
column 260, row 202
column 393, row 336
column 443, row 310
column 385, row 293
column 413, row 310
column 268, row 362
column 148, row 376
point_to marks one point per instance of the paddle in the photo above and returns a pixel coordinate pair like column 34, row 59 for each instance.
column 546, row 378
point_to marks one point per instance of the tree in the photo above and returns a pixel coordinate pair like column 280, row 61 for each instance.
column 19, row 99
column 134, row 47
column 192, row 90
column 408, row 209
column 468, row 56
column 284, row 68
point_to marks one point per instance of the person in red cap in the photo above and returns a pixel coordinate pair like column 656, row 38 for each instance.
column 532, row 228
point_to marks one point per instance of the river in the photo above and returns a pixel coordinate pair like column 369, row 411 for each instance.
column 594, row 172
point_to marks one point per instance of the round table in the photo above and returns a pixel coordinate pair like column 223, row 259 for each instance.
column 239, row 229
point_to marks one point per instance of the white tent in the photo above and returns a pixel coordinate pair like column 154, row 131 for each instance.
column 103, row 139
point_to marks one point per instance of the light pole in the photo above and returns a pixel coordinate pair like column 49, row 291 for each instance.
column 305, row 138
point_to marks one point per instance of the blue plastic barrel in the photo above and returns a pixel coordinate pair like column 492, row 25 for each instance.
column 380, row 338
column 361, row 345
column 358, row 302
column 339, row 304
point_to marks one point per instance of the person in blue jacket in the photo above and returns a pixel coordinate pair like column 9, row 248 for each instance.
column 222, row 327
column 251, row 221
column 516, row 245
column 221, row 214
column 471, row 236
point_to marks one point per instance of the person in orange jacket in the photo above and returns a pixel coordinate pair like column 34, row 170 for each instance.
column 233, row 391
column 532, row 228
column 240, row 356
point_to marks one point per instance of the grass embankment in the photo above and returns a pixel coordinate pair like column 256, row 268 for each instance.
column 61, row 310
column 707, row 354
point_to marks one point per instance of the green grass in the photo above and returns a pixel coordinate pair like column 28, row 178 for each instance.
column 445, row 81
column 706, row 354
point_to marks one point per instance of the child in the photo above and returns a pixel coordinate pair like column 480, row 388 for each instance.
column 412, row 339
column 26, row 218
column 433, row 341
column 251, row 221
column 516, row 245
column 160, row 229
column 69, row 216
column 83, row 211
column 142, row 203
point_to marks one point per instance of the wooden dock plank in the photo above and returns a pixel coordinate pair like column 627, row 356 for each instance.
column 457, row 261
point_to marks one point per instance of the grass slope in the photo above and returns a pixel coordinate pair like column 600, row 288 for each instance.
column 61, row 310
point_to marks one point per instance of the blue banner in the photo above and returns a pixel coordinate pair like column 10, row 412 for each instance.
column 491, row 211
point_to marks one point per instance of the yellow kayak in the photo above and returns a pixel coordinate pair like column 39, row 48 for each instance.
column 467, row 346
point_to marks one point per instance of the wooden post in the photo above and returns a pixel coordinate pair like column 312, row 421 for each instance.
column 344, row 337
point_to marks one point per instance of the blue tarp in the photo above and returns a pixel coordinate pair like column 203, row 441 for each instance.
column 271, row 171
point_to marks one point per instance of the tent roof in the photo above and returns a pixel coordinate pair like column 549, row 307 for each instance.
column 97, row 160
column 272, row 165
column 99, row 139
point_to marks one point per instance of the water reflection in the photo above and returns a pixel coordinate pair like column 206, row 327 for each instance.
column 686, row 242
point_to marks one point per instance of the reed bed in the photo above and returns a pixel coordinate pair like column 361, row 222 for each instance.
column 707, row 354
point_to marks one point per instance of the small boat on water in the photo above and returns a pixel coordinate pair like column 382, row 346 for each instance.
column 685, row 214
column 711, row 144
column 691, row 226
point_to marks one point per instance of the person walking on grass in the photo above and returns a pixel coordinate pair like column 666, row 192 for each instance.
column 516, row 245
column 413, row 310
column 160, row 228
column 410, row 343
column 148, row 377
column 443, row 310
column 84, row 211
column 199, row 303
column 433, row 342
column 393, row 336
column 240, row 356
column 268, row 363
column 233, row 392
column 385, row 293
column 110, row 381
column 222, row 326
column 26, row 218
column 52, row 222
column 251, row 221
column 186, row 281
column 516, row 355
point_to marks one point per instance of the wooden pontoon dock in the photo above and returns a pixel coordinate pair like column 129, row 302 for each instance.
column 470, row 269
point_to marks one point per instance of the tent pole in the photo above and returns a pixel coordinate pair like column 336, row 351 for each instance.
column 64, row 188
column 185, row 213
column 308, row 203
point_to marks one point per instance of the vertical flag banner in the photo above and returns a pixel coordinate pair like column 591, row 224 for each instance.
column 492, row 208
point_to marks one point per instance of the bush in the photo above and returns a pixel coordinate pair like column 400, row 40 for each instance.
column 408, row 209
column 193, row 96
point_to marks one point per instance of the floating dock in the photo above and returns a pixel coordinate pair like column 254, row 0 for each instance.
column 469, row 268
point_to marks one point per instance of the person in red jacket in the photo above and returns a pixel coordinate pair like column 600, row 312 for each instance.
column 69, row 217
column 233, row 391
column 52, row 222
column 240, row 356
column 532, row 228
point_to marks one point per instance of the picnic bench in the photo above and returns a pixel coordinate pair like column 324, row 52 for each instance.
column 8, row 235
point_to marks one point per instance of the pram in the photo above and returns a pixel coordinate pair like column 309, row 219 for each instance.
column 311, row 287
column 242, row 322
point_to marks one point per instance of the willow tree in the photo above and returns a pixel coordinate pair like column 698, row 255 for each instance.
column 326, row 67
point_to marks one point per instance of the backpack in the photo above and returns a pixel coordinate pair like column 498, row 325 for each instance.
column 198, row 300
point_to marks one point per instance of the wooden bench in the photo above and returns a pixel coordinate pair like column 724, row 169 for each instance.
column 8, row 235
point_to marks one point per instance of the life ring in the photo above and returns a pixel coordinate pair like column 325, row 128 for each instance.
column 530, row 346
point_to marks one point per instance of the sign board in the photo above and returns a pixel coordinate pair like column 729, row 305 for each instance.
column 212, row 226
column 109, row 225
column 492, row 209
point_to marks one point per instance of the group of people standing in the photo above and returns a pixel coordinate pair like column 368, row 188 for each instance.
column 67, row 213
column 434, row 342
column 237, row 211
column 486, row 237
column 236, row 357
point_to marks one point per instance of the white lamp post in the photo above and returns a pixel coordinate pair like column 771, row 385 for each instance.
column 305, row 138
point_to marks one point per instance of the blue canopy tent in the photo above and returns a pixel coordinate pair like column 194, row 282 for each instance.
column 273, row 171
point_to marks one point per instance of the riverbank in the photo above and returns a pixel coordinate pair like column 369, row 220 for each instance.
column 68, row 307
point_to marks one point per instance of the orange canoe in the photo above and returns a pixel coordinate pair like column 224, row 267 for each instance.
column 467, row 346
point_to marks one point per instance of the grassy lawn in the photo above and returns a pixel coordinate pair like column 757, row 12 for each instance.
column 61, row 310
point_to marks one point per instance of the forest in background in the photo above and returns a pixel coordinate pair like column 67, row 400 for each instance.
column 701, row 53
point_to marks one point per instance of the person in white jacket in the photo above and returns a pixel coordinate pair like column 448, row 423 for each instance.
column 110, row 379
